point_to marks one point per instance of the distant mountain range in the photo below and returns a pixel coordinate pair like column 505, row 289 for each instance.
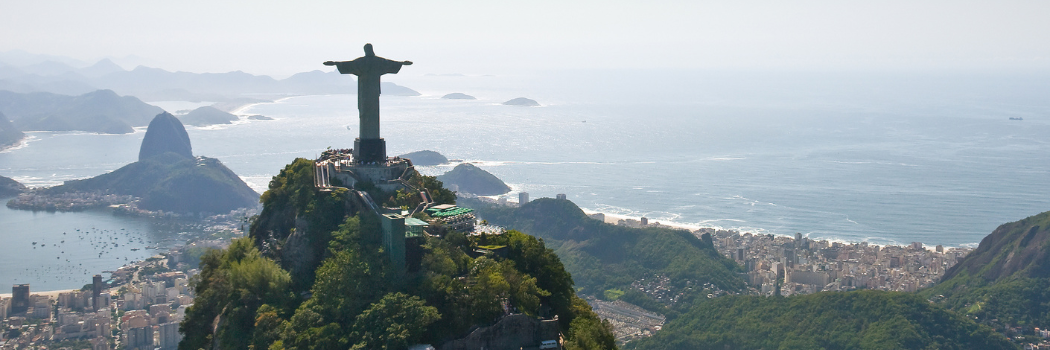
column 60, row 76
column 54, row 93
column 100, row 111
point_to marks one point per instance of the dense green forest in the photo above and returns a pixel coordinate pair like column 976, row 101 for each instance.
column 351, row 299
column 1006, row 280
column 604, row 257
column 834, row 320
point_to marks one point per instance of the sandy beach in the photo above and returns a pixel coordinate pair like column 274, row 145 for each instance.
column 53, row 294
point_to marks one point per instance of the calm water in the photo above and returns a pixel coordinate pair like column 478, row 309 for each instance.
column 53, row 251
column 887, row 158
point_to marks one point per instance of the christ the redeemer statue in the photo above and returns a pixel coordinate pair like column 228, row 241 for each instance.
column 369, row 147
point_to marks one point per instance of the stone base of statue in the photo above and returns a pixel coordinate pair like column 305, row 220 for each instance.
column 370, row 150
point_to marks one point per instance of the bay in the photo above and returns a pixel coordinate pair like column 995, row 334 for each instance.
column 885, row 158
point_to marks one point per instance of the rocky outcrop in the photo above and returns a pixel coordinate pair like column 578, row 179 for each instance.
column 512, row 332
column 165, row 134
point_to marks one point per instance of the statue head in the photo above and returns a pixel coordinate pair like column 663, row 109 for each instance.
column 368, row 50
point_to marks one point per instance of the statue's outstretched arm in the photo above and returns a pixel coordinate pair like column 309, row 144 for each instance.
column 330, row 63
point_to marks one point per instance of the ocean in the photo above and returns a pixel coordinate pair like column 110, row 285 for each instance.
column 884, row 157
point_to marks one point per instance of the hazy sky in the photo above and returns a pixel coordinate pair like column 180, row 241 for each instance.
column 280, row 38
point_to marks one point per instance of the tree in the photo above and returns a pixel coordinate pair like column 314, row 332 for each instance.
column 394, row 322
column 233, row 285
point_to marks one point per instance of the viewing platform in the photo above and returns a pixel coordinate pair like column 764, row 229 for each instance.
column 340, row 165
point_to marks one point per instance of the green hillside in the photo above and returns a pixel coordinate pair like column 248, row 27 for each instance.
column 472, row 179
column 831, row 320
column 171, row 182
column 247, row 296
column 603, row 257
column 1006, row 279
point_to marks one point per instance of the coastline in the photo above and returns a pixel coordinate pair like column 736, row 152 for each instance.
column 613, row 219
column 239, row 110
column 53, row 294
column 22, row 142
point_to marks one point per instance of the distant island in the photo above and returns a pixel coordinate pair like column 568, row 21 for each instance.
column 9, row 187
column 101, row 111
column 458, row 96
column 521, row 101
column 259, row 117
column 167, row 178
column 474, row 180
column 9, row 135
column 207, row 115
column 425, row 157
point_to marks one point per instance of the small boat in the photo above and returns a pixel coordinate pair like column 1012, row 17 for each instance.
column 1016, row 118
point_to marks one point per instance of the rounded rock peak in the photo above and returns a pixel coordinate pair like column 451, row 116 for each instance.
column 165, row 134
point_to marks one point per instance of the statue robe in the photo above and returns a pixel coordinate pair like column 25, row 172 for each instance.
column 368, row 69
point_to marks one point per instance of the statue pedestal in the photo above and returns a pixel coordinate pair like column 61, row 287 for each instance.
column 370, row 150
